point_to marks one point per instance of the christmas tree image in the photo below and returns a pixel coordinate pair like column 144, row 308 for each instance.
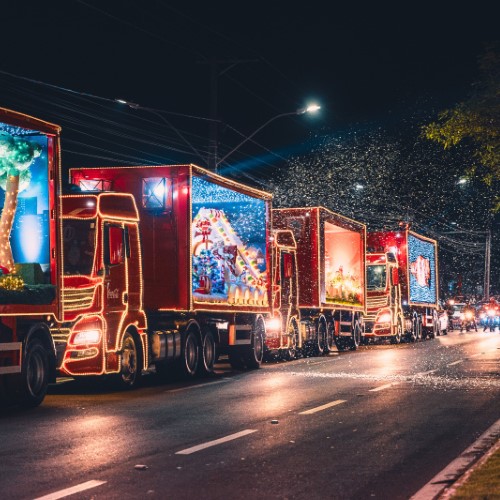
column 16, row 157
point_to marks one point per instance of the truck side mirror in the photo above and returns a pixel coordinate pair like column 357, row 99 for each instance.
column 395, row 276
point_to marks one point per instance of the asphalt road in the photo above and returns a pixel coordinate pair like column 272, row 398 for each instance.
column 376, row 423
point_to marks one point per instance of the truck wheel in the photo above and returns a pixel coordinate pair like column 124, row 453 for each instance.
column 330, row 337
column 34, row 381
column 208, row 353
column 415, row 331
column 320, row 345
column 292, row 351
column 396, row 339
column 254, row 354
column 355, row 340
column 190, row 354
column 130, row 362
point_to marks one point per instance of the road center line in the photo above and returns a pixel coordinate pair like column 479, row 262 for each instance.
column 215, row 442
column 71, row 491
column 322, row 407
column 455, row 362
column 382, row 387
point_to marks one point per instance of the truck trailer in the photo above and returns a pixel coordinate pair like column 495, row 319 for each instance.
column 31, row 286
column 318, row 292
column 402, row 286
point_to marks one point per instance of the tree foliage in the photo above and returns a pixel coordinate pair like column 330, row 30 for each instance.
column 477, row 121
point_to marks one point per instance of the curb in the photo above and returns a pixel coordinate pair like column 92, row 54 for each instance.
column 450, row 491
column 460, row 468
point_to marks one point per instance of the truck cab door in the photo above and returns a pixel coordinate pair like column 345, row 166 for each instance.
column 115, row 299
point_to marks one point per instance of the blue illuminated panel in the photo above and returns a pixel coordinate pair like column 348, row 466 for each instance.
column 23, row 160
column 228, row 246
column 422, row 270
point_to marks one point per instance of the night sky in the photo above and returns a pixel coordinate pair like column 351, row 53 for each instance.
column 369, row 65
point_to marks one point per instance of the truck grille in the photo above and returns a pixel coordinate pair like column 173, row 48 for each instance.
column 374, row 303
column 78, row 298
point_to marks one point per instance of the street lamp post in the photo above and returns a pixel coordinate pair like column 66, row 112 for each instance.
column 308, row 109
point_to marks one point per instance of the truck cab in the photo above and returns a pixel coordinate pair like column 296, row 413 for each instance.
column 384, row 317
column 282, row 326
column 102, row 299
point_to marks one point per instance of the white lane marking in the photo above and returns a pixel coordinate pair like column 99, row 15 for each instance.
column 322, row 407
column 181, row 389
column 458, row 466
column 215, row 442
column 382, row 387
column 426, row 373
column 455, row 362
column 71, row 491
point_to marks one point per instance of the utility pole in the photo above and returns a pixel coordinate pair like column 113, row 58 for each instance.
column 213, row 138
column 487, row 257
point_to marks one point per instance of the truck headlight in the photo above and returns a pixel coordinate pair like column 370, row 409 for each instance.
column 273, row 324
column 86, row 337
column 384, row 318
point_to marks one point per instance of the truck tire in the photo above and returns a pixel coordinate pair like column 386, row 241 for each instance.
column 355, row 339
column 330, row 345
column 130, row 362
column 208, row 354
column 319, row 348
column 188, row 363
column 292, row 351
column 30, row 389
column 396, row 339
column 416, row 329
column 255, row 353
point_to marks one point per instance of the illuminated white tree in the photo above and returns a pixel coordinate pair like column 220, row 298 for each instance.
column 16, row 157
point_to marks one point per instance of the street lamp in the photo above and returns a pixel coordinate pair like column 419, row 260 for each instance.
column 311, row 108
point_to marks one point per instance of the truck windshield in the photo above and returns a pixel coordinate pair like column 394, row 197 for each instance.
column 79, row 246
column 376, row 277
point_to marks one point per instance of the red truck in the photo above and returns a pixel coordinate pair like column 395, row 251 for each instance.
column 318, row 292
column 402, row 286
column 178, row 273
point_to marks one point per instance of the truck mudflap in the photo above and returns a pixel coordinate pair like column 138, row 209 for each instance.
column 10, row 357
